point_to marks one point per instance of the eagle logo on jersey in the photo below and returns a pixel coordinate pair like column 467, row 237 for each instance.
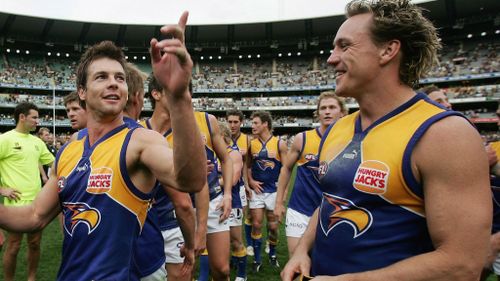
column 265, row 164
column 80, row 213
column 335, row 211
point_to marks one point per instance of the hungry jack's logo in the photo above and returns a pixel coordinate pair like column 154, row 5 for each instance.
column 100, row 180
column 371, row 177
column 78, row 213
column 335, row 211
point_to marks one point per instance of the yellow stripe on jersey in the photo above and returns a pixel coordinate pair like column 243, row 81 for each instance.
column 310, row 143
column 382, row 150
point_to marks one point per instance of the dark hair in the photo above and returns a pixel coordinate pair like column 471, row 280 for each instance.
column 73, row 97
column 403, row 21
column 153, row 85
column 235, row 112
column 104, row 49
column 429, row 89
column 24, row 108
column 265, row 116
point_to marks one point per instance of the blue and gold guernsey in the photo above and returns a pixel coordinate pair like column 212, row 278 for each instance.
column 103, row 211
column 306, row 195
column 235, row 190
column 148, row 255
column 372, row 211
column 266, row 162
column 162, row 203
column 206, row 133
column 241, row 142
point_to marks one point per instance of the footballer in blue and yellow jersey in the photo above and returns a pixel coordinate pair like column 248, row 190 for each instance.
column 372, row 204
column 235, row 191
column 148, row 250
column 162, row 202
column 241, row 141
column 266, row 162
column 306, row 194
column 102, row 209
column 206, row 133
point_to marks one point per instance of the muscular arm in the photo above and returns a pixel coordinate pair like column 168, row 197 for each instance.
column 201, row 202
column 452, row 181
column 285, row 173
column 172, row 67
column 219, row 146
column 149, row 149
column 184, row 214
column 237, row 166
column 252, row 183
column 35, row 216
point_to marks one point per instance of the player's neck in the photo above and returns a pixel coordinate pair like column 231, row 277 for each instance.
column 265, row 136
column 374, row 106
column 236, row 136
column 322, row 129
column 160, row 122
column 97, row 128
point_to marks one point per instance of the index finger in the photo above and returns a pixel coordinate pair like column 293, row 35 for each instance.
column 177, row 31
column 183, row 20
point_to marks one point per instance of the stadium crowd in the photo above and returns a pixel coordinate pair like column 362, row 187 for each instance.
column 137, row 203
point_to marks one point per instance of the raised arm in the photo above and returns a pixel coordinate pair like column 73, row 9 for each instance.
column 172, row 66
column 149, row 157
column 285, row 173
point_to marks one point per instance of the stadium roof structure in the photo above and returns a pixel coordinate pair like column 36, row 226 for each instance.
column 156, row 12
column 217, row 24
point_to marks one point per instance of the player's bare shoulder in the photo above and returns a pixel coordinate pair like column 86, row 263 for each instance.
column 142, row 139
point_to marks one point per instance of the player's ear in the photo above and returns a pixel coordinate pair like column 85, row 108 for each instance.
column 389, row 51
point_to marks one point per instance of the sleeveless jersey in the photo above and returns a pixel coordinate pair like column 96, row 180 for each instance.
column 148, row 251
column 206, row 134
column 82, row 133
column 306, row 194
column 266, row 162
column 372, row 211
column 103, row 211
column 241, row 142
column 162, row 204
column 235, row 190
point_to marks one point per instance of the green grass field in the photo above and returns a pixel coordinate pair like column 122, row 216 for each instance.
column 52, row 244
column 51, row 257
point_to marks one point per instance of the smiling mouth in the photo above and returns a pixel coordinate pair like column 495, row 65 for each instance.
column 112, row 97
column 339, row 73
